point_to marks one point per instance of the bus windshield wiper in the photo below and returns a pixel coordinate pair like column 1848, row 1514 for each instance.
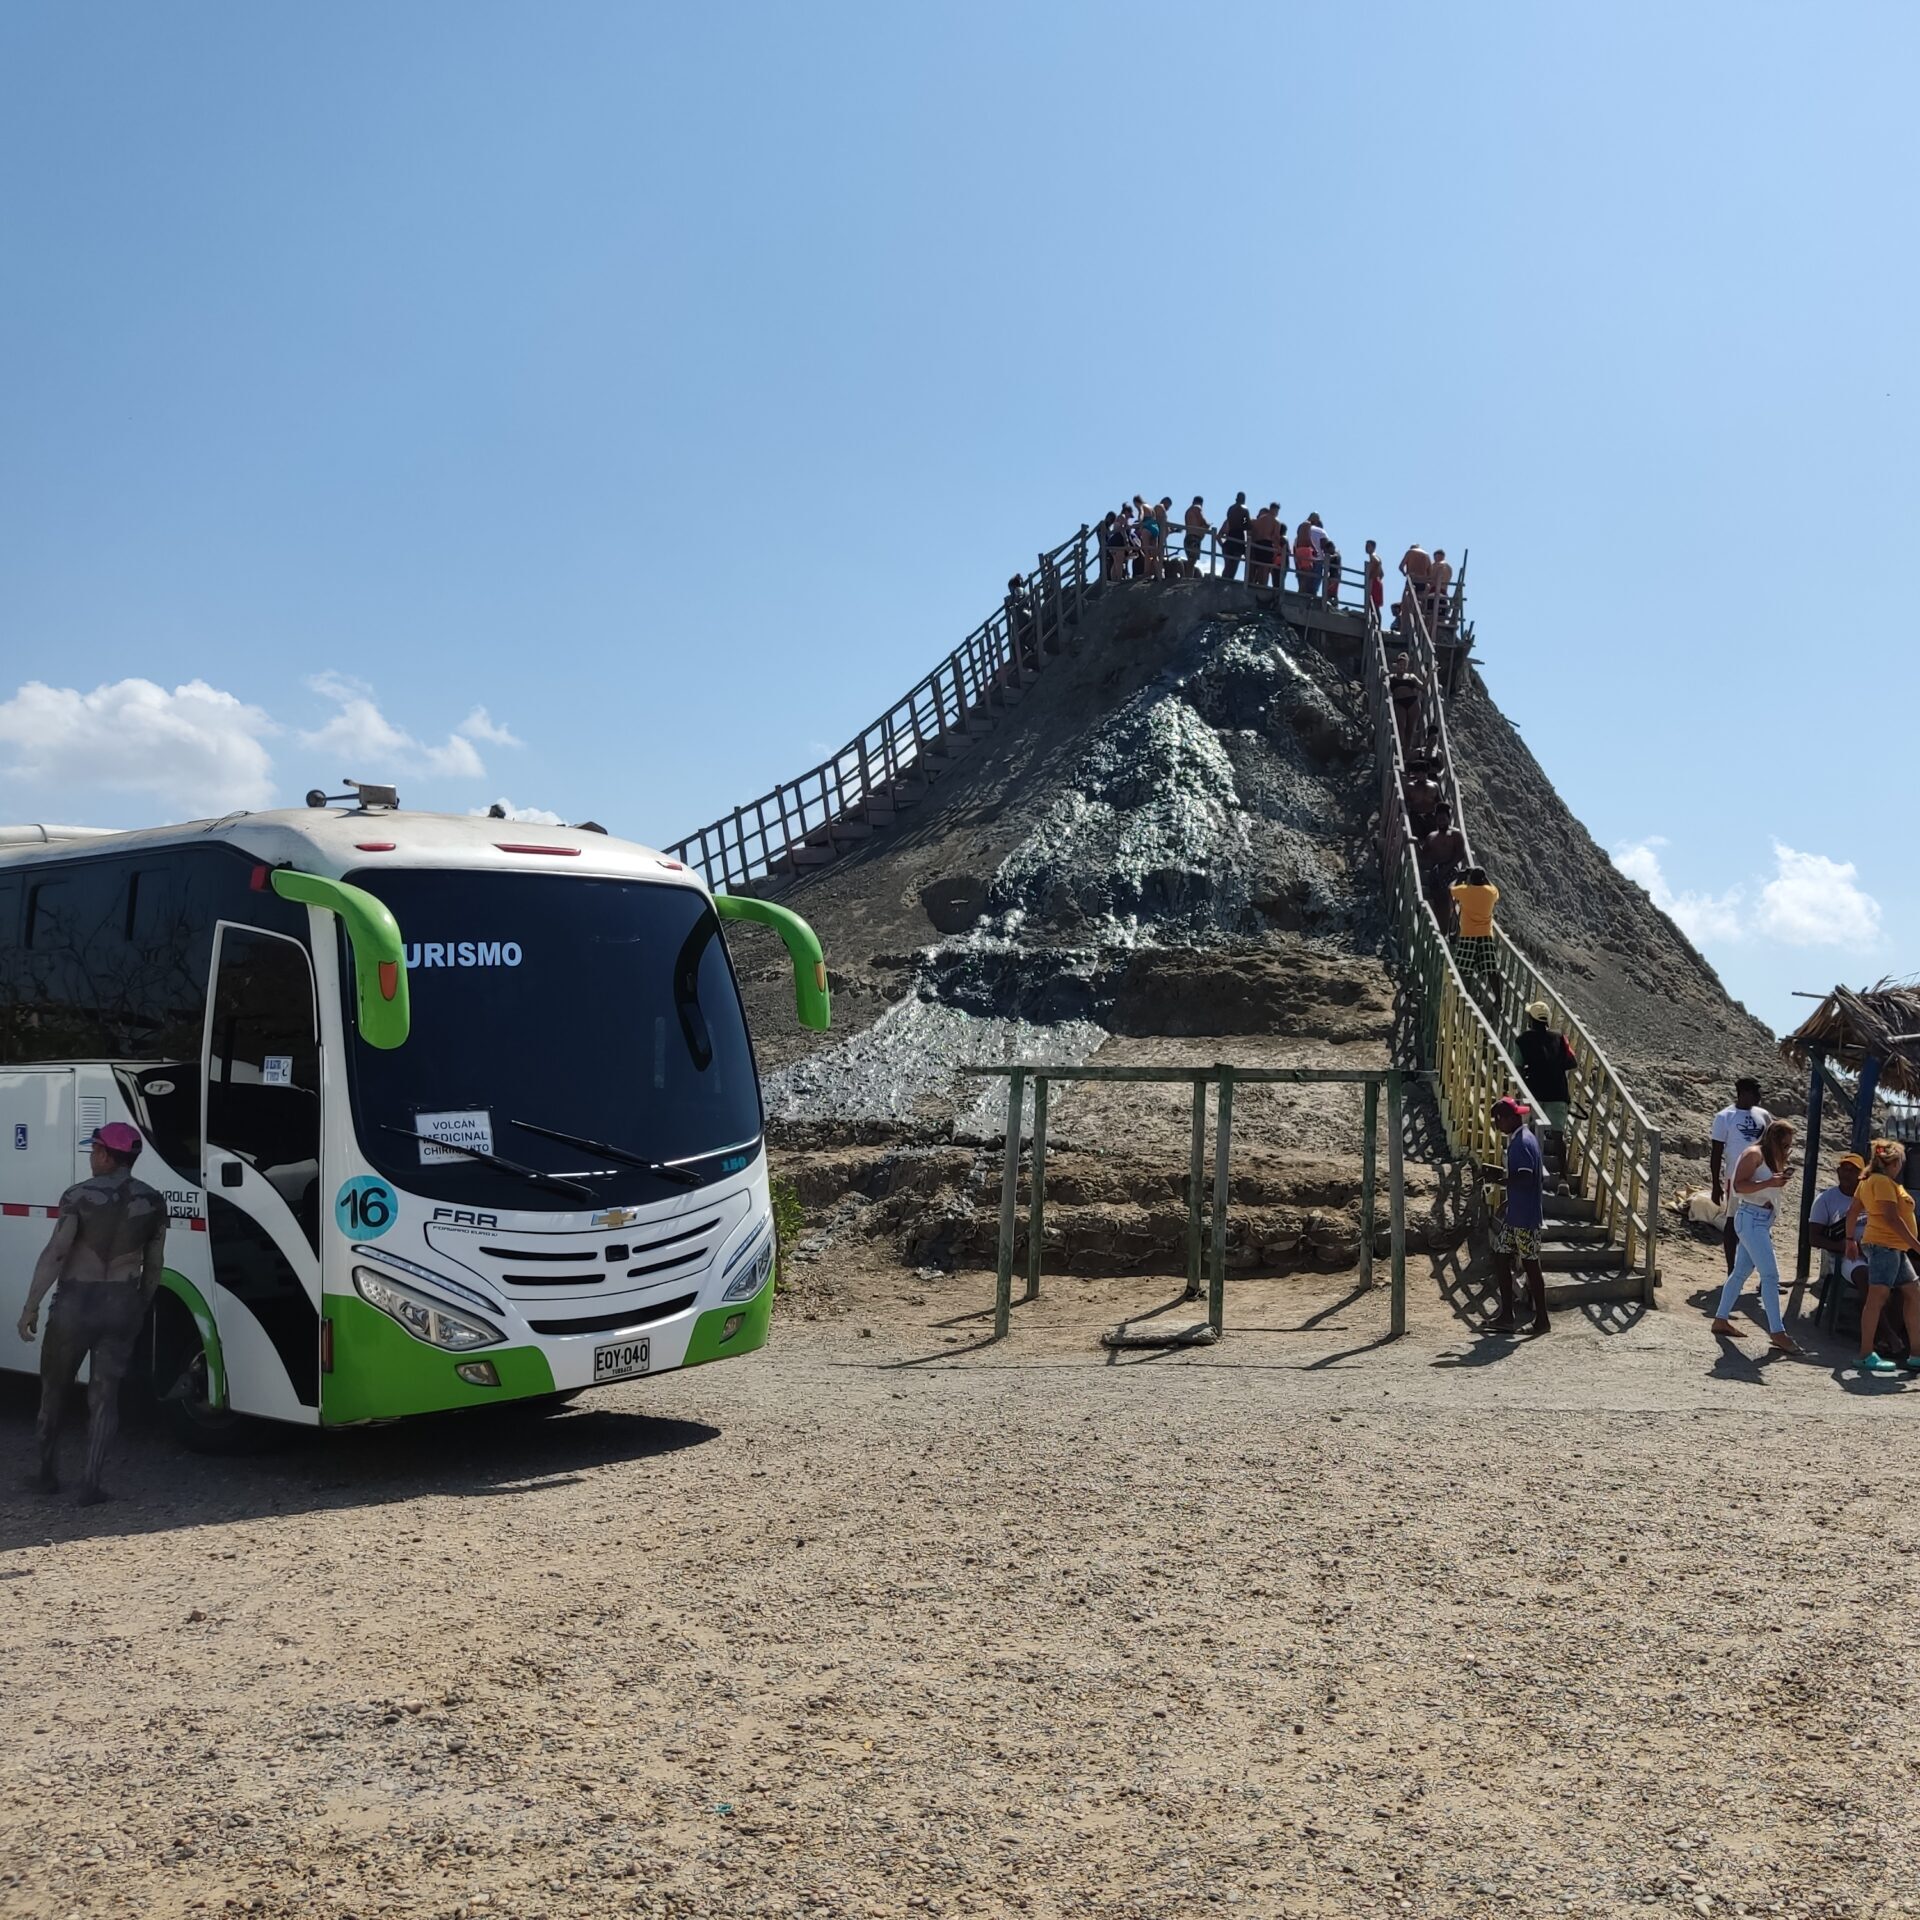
column 580, row 1140
column 534, row 1174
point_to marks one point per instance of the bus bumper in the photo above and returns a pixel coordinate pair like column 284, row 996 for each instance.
column 381, row 1372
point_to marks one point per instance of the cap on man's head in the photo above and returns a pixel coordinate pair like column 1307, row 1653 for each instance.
column 1853, row 1160
column 1508, row 1108
column 1746, row 1084
column 117, row 1137
column 1539, row 1010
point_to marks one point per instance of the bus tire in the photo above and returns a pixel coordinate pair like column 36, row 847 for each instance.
column 177, row 1378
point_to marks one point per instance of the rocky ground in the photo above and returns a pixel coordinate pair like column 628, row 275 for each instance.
column 890, row 1620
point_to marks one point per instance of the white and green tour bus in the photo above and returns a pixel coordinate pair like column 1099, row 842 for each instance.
column 448, row 1111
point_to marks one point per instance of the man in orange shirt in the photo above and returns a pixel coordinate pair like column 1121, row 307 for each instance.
column 1474, row 898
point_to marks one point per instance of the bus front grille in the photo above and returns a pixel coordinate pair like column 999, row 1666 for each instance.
column 633, row 1317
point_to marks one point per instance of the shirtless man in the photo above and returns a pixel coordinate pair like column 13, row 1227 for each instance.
column 1443, row 855
column 1440, row 583
column 1403, row 688
column 1426, row 801
column 1233, row 534
column 1416, row 568
column 1265, row 530
column 1197, row 531
column 105, row 1258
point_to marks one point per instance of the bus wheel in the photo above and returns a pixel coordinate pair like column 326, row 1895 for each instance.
column 179, row 1380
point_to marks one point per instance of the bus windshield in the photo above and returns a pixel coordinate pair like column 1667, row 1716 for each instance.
column 547, row 1004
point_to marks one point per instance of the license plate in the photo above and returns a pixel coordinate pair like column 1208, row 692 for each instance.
column 621, row 1359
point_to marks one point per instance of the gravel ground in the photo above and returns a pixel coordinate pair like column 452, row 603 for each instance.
column 888, row 1619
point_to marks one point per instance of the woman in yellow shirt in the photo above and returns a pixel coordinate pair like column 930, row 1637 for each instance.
column 1474, row 896
column 1880, row 1225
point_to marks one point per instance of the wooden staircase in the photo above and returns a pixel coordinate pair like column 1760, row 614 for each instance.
column 1603, row 1207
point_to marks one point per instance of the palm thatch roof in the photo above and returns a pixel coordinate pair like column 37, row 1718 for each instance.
column 1881, row 1022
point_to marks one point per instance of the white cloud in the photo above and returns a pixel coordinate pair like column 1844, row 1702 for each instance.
column 1702, row 917
column 481, row 725
column 370, row 746
column 1812, row 901
column 527, row 816
column 195, row 751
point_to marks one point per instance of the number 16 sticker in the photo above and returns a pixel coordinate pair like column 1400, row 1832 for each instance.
column 365, row 1208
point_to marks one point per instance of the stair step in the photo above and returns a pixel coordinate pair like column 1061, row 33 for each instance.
column 1575, row 1233
column 1597, row 1291
column 1582, row 1260
column 811, row 856
column 1564, row 1206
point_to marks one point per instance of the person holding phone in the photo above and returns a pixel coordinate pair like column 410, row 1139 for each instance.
column 1760, row 1176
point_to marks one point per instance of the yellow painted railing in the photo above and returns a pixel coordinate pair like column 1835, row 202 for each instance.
column 1612, row 1148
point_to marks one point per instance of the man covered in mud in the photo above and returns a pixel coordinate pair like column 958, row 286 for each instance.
column 1416, row 568
column 1403, row 688
column 104, row 1257
column 1197, row 531
column 1443, row 859
column 1233, row 534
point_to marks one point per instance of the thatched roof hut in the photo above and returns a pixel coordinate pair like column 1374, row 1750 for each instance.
column 1879, row 1023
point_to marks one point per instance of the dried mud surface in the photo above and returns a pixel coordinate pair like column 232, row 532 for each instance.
column 1639, row 984
column 1168, row 838
column 886, row 1621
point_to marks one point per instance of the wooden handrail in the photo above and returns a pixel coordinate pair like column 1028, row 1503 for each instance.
column 806, row 820
column 1613, row 1149
column 836, row 800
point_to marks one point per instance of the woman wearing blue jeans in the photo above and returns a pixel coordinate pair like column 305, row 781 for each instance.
column 1759, row 1178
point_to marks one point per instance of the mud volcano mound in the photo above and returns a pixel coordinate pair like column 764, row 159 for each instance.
column 1165, row 852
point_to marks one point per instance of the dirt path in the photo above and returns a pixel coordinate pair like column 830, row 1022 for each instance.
column 884, row 1621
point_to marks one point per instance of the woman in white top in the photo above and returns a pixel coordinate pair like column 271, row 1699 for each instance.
column 1760, row 1177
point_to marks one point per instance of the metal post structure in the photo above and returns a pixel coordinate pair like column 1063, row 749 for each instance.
column 1650, row 1295
column 1863, row 1103
column 1810, row 1181
column 1009, row 1182
column 1369, row 1155
column 1222, row 1153
column 1196, row 1184
column 1037, row 1203
column 1397, row 1204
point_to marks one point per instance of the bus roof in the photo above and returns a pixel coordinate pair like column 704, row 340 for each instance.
column 335, row 840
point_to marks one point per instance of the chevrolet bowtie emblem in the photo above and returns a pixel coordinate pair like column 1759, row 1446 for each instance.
column 615, row 1217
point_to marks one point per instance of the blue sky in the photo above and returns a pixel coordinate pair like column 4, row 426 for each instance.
column 608, row 407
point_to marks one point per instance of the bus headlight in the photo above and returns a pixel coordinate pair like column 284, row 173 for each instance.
column 753, row 1276
column 426, row 1319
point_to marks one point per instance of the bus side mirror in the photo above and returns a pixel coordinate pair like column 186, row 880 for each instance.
column 379, row 960
column 803, row 948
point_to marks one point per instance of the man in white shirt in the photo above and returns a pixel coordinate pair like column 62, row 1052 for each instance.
column 1829, row 1222
column 1735, row 1129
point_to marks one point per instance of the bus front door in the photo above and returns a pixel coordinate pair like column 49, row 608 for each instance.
column 261, row 1075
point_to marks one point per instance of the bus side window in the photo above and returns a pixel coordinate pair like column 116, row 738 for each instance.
column 263, row 1067
column 12, row 970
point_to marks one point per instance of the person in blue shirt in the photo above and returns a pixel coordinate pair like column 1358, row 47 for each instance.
column 1518, row 1221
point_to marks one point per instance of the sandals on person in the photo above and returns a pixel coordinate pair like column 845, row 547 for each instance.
column 1728, row 1331
column 1876, row 1363
column 1785, row 1343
